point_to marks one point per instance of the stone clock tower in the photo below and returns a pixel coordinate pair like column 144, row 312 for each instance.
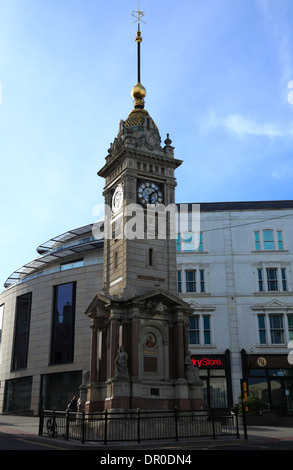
column 139, row 350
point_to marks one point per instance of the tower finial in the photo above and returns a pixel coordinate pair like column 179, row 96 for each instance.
column 138, row 91
column 138, row 16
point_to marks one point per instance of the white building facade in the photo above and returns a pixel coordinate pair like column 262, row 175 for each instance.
column 236, row 274
column 239, row 281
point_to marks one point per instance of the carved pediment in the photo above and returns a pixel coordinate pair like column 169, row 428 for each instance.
column 161, row 299
column 99, row 306
column 274, row 304
column 201, row 308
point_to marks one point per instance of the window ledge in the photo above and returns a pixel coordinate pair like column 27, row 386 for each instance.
column 272, row 293
column 192, row 252
column 195, row 294
column 265, row 252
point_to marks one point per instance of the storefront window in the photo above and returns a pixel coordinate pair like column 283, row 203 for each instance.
column 289, row 394
column 276, row 372
column 58, row 389
column 215, row 390
column 258, row 388
column 217, row 372
column 18, row 394
column 276, row 393
column 218, row 392
column 257, row 372
column 274, row 387
column 270, row 377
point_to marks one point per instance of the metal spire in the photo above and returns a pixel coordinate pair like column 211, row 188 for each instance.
column 138, row 18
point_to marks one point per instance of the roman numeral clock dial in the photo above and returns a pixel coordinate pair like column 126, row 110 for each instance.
column 149, row 192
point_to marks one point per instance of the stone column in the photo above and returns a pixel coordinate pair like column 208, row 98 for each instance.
column 185, row 337
column 172, row 351
column 103, row 358
column 134, row 347
column 180, row 351
column 94, row 352
column 113, row 346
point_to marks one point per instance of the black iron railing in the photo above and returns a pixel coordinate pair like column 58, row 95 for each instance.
column 139, row 425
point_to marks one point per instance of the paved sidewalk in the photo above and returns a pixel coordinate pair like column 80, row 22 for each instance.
column 19, row 425
column 270, row 433
column 29, row 426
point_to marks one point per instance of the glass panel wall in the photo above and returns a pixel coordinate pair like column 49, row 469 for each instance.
column 58, row 389
column 62, row 346
column 18, row 394
column 21, row 333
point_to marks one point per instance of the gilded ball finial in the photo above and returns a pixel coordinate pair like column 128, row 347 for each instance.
column 138, row 93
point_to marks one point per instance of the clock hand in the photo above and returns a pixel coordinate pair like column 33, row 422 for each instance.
column 150, row 195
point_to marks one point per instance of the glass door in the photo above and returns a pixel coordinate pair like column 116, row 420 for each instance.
column 276, row 394
column 289, row 394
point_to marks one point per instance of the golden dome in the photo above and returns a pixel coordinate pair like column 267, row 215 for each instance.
column 137, row 118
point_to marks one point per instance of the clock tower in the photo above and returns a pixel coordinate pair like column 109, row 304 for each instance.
column 139, row 350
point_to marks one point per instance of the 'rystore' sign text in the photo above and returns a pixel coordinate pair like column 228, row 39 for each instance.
column 206, row 362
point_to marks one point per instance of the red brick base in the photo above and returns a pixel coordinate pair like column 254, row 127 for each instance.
column 128, row 403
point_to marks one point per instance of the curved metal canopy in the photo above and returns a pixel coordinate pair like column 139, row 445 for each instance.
column 57, row 248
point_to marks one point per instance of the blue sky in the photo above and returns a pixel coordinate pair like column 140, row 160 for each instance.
column 217, row 75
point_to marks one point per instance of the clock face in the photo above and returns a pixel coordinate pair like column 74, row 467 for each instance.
column 149, row 192
column 117, row 199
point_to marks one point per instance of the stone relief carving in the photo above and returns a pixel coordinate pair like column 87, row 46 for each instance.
column 149, row 140
column 150, row 340
column 156, row 305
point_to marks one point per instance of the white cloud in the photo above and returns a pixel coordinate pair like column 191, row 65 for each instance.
column 284, row 171
column 240, row 126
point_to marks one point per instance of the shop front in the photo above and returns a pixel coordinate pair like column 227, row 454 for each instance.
column 215, row 372
column 270, row 378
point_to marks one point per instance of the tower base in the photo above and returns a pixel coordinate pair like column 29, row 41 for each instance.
column 127, row 394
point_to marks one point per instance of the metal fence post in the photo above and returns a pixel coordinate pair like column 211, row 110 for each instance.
column 83, row 428
column 176, row 423
column 41, row 422
column 138, row 425
column 213, row 423
column 237, row 421
column 54, row 422
column 244, row 405
column 67, row 424
column 106, row 425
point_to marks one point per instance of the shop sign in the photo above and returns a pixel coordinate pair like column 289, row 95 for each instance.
column 271, row 361
column 205, row 361
column 261, row 362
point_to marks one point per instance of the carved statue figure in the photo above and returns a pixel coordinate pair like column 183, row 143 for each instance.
column 191, row 371
column 121, row 369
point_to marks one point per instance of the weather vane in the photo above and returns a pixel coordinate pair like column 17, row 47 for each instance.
column 138, row 91
column 138, row 16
